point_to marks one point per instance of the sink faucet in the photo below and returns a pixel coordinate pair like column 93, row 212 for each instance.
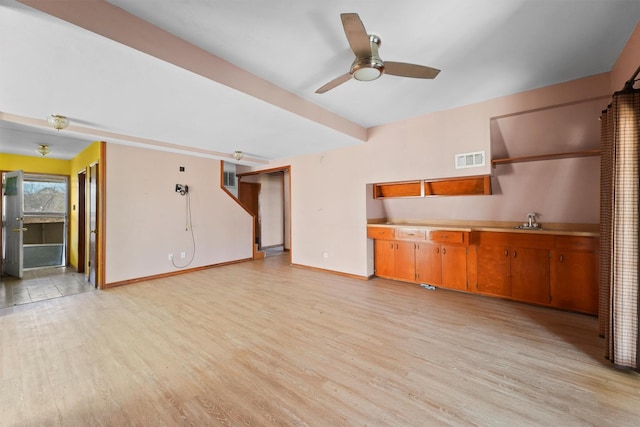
column 531, row 219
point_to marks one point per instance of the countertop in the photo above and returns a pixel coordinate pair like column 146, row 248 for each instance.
column 587, row 230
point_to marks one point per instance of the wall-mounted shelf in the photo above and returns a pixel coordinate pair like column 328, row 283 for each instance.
column 571, row 154
column 463, row 186
column 398, row 189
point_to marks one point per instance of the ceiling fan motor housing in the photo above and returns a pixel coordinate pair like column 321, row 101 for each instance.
column 371, row 67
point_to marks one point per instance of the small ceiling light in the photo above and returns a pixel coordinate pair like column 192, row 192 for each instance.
column 58, row 122
column 238, row 155
column 43, row 150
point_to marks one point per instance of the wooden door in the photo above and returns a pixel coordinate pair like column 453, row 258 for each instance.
column 81, row 208
column 405, row 262
column 428, row 264
column 530, row 275
column 248, row 194
column 494, row 270
column 454, row 267
column 574, row 280
column 384, row 258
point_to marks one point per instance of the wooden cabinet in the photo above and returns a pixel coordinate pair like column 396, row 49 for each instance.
column 460, row 186
column 453, row 255
column 405, row 261
column 394, row 259
column 428, row 264
column 545, row 269
column 530, row 275
column 454, row 267
column 443, row 261
column 384, row 258
column 494, row 269
column 574, row 274
column 514, row 265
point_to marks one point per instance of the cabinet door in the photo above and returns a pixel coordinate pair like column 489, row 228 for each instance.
column 454, row 267
column 574, row 281
column 494, row 270
column 384, row 258
column 405, row 262
column 428, row 264
column 530, row 275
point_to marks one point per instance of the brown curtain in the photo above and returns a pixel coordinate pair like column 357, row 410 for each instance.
column 619, row 208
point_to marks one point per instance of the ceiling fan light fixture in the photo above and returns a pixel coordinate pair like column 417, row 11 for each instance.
column 366, row 74
column 57, row 121
column 43, row 150
column 367, row 69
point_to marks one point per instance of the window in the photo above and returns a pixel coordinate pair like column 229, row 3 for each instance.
column 45, row 195
column 229, row 179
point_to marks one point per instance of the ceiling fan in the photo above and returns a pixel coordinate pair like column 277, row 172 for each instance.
column 368, row 66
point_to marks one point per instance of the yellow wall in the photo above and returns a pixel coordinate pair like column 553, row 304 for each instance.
column 12, row 162
column 70, row 168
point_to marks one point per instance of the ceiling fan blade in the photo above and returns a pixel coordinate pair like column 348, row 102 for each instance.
column 335, row 82
column 356, row 34
column 410, row 70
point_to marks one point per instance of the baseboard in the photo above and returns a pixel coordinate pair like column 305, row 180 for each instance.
column 171, row 273
column 339, row 273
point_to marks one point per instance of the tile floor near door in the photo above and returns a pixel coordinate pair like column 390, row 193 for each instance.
column 41, row 284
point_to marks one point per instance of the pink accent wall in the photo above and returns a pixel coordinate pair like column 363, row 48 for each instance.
column 146, row 218
column 330, row 198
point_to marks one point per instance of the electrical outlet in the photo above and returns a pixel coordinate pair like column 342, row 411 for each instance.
column 325, row 254
column 170, row 257
column 183, row 254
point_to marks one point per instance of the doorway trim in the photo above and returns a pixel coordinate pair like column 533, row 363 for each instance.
column 287, row 198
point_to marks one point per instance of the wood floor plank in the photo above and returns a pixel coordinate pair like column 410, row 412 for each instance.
column 264, row 343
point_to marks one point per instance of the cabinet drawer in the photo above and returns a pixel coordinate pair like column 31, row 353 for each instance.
column 409, row 234
column 441, row 236
column 383, row 233
column 577, row 242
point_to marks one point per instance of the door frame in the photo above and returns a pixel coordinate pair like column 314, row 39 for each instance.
column 286, row 200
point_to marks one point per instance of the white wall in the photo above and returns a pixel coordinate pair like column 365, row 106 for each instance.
column 272, row 209
column 146, row 218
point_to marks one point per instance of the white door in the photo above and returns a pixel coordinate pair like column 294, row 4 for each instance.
column 14, row 223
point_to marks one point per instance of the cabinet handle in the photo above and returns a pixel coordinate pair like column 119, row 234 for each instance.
column 444, row 251
column 515, row 254
column 506, row 252
column 437, row 250
column 561, row 258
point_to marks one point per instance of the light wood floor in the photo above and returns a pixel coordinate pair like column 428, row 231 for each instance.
column 262, row 343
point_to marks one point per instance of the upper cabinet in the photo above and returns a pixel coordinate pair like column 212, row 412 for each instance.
column 463, row 186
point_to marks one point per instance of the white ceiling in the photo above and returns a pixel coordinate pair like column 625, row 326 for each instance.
column 113, row 92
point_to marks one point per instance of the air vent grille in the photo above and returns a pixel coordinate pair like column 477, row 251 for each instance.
column 470, row 160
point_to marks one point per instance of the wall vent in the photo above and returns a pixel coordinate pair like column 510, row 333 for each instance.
column 470, row 160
